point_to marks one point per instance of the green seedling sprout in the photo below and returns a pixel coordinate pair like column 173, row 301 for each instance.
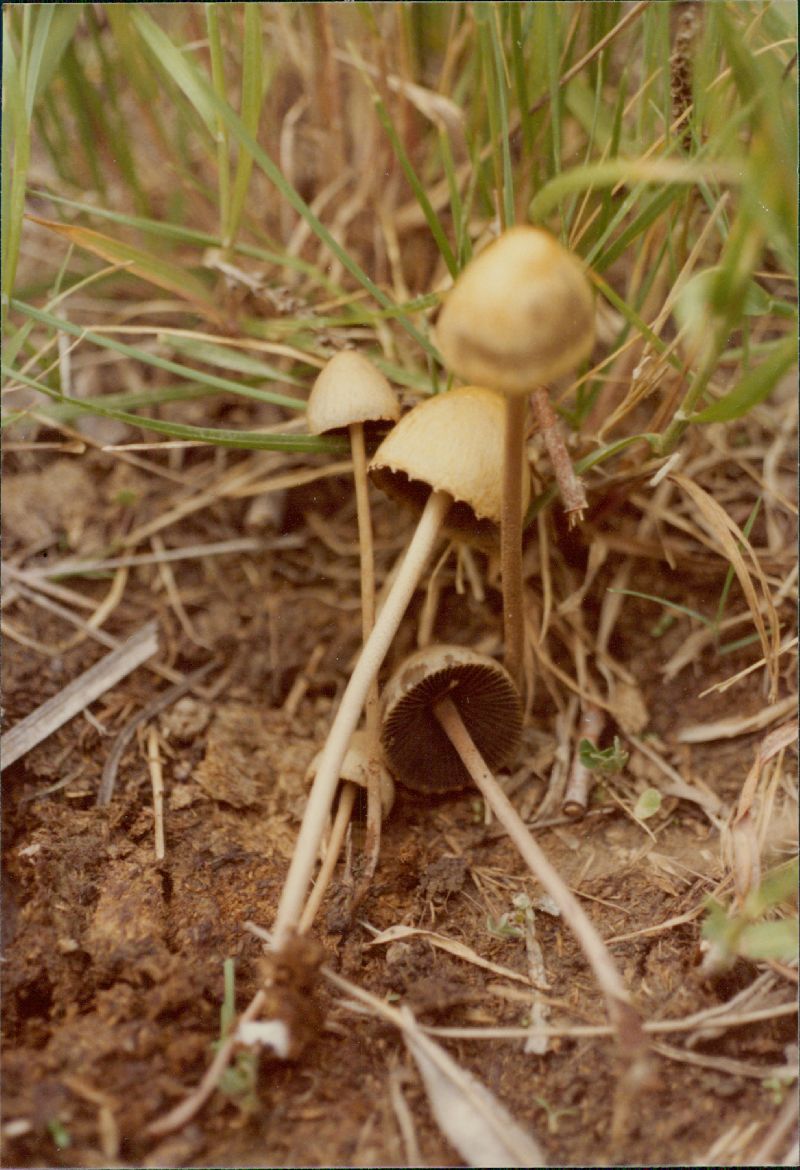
column 607, row 761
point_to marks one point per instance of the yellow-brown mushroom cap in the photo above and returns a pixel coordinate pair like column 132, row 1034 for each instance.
column 416, row 746
column 362, row 761
column 451, row 442
column 520, row 314
column 349, row 389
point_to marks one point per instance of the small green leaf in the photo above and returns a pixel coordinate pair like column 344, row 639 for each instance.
column 776, row 886
column 770, row 940
column 648, row 804
column 59, row 1133
column 607, row 761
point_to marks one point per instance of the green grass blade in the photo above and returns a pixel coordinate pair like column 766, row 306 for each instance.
column 16, row 159
column 246, row 141
column 595, row 176
column 142, row 355
column 218, row 82
column 33, row 66
column 420, row 194
column 175, row 65
column 252, row 100
column 684, row 609
column 162, row 273
column 247, row 440
column 756, row 385
column 227, row 358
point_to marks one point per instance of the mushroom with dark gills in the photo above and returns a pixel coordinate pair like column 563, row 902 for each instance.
column 445, row 457
column 351, row 394
column 519, row 315
column 417, row 747
column 450, row 716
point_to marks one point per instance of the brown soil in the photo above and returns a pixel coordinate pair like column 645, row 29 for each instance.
column 113, row 961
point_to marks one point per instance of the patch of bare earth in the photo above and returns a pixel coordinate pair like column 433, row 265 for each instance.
column 113, row 959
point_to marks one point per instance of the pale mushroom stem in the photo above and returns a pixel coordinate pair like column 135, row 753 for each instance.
column 569, row 484
column 344, row 724
column 622, row 1016
column 372, row 843
column 365, row 546
column 340, row 823
column 511, row 537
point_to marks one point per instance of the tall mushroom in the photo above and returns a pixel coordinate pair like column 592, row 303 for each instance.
column 446, row 457
column 450, row 715
column 349, row 395
column 519, row 315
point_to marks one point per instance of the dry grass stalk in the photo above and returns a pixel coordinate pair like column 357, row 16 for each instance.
column 159, row 704
column 623, row 1017
column 157, row 781
column 79, row 694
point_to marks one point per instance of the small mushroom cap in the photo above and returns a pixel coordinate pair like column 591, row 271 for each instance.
column 361, row 760
column 416, row 746
column 451, row 442
column 350, row 390
column 520, row 314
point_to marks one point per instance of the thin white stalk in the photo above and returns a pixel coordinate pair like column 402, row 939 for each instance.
column 340, row 823
column 622, row 1016
column 344, row 724
column 372, row 715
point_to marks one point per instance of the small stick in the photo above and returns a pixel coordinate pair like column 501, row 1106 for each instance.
column 78, row 694
column 569, row 484
column 622, row 1016
column 159, row 704
column 157, row 779
column 301, row 682
column 579, row 782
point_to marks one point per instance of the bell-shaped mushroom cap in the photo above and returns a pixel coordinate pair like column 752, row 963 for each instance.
column 450, row 442
column 417, row 748
column 350, row 390
column 520, row 314
column 361, row 761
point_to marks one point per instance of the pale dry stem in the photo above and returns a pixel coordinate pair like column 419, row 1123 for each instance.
column 344, row 724
column 622, row 1016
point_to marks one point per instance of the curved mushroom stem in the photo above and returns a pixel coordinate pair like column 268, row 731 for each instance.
column 511, row 537
column 372, row 843
column 621, row 1015
column 340, row 823
column 344, row 724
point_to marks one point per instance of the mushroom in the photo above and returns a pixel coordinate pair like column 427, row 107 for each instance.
column 416, row 745
column 349, row 394
column 452, row 715
column 445, row 457
column 363, row 768
column 519, row 315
